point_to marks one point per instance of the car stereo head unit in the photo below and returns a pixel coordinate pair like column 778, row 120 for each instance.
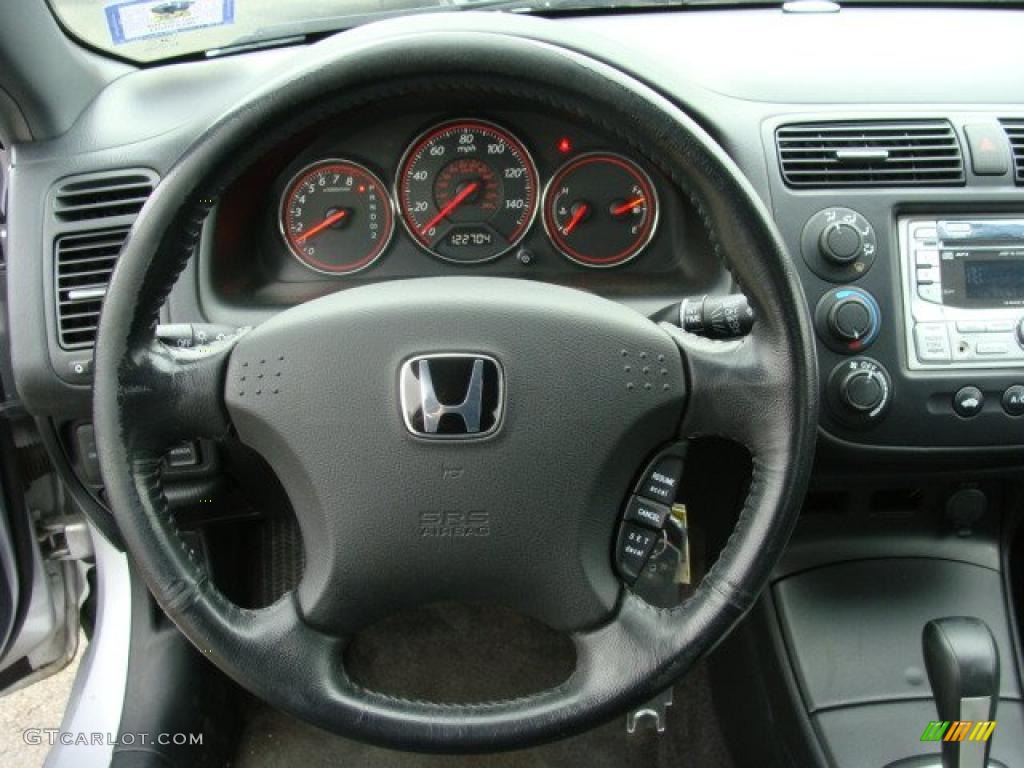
column 963, row 290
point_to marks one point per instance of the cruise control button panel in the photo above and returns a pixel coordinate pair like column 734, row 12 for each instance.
column 646, row 513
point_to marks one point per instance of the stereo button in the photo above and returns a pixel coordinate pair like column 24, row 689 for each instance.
column 927, row 275
column 971, row 327
column 1001, row 326
column 925, row 258
column 991, row 348
column 932, row 342
column 932, row 293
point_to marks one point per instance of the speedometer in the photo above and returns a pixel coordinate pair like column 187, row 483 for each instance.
column 467, row 191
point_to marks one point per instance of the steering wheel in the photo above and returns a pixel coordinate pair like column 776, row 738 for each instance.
column 317, row 391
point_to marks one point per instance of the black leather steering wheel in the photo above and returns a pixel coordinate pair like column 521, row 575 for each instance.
column 315, row 391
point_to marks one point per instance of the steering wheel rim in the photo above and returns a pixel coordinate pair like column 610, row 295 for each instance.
column 760, row 391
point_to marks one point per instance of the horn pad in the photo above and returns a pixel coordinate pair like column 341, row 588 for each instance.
column 412, row 490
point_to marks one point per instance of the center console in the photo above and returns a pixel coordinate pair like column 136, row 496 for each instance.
column 963, row 293
column 916, row 289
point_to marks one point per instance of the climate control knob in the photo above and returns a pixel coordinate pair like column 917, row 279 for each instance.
column 862, row 390
column 840, row 243
column 859, row 391
column 848, row 319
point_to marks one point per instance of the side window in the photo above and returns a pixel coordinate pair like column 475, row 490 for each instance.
column 3, row 205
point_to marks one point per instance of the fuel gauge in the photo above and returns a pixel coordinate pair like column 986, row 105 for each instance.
column 600, row 210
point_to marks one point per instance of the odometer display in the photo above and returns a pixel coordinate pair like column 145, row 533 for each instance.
column 467, row 191
column 336, row 217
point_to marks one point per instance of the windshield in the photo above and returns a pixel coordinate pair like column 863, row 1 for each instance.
column 149, row 30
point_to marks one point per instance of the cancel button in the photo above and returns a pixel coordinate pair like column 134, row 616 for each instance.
column 649, row 513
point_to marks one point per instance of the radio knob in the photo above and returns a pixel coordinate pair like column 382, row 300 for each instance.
column 840, row 243
column 1020, row 332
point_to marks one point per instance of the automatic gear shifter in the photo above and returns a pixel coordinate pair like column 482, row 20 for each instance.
column 962, row 660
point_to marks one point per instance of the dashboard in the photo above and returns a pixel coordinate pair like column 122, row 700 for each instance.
column 477, row 189
column 460, row 177
column 894, row 174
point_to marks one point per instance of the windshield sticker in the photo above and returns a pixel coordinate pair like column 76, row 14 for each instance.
column 143, row 19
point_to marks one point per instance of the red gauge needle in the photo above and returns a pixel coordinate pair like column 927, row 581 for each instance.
column 332, row 219
column 577, row 216
column 627, row 207
column 452, row 204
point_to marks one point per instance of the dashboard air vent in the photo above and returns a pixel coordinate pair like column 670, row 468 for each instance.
column 91, row 215
column 102, row 195
column 910, row 153
column 1015, row 133
column 84, row 264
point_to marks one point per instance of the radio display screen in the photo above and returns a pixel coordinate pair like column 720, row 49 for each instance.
column 998, row 279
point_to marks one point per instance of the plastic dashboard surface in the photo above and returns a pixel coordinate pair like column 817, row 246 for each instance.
column 699, row 58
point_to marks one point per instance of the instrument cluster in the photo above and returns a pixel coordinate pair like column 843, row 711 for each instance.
column 468, row 191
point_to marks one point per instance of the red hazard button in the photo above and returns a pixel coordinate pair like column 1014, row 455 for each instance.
column 989, row 150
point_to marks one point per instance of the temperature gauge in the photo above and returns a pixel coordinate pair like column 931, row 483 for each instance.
column 600, row 210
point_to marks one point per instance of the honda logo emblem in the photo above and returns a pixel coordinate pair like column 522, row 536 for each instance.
column 452, row 396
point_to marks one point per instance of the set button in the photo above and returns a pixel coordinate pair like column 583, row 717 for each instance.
column 634, row 547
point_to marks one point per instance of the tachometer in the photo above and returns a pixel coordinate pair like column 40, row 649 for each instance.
column 467, row 191
column 336, row 217
column 600, row 209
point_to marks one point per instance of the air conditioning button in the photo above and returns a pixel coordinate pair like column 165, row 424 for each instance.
column 1013, row 400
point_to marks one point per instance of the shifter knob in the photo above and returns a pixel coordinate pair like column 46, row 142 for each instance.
column 962, row 660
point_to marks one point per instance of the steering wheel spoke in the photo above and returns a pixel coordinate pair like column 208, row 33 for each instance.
column 735, row 388
column 174, row 394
